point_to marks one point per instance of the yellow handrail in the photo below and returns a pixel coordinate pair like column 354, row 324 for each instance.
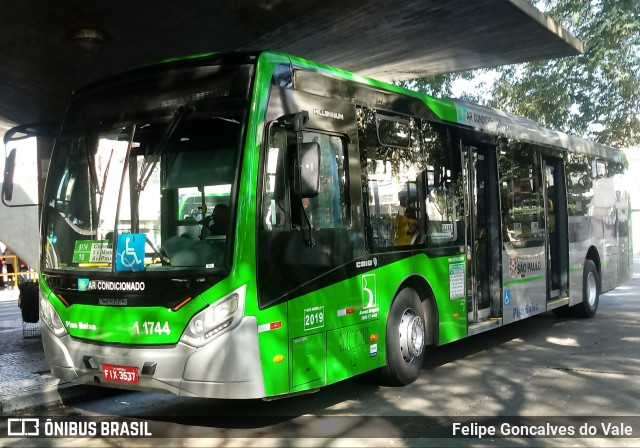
column 16, row 268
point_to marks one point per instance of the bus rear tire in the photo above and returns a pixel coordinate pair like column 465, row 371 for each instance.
column 590, row 292
column 590, row 295
column 405, row 339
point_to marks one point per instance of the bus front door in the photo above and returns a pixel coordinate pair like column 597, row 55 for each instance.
column 557, row 229
column 483, row 237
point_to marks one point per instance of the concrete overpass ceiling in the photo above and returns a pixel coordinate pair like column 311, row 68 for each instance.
column 41, row 62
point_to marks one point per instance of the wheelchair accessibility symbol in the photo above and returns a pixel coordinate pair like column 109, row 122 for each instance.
column 130, row 252
column 507, row 297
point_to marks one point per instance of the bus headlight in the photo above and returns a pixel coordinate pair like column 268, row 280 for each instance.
column 215, row 319
column 50, row 317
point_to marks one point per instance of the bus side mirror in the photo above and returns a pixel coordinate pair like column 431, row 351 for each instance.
column 9, row 169
column 16, row 133
column 306, row 180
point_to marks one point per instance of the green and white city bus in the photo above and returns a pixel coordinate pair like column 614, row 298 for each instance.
column 257, row 225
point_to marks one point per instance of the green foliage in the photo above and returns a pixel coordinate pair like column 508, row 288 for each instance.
column 438, row 85
column 441, row 86
column 595, row 95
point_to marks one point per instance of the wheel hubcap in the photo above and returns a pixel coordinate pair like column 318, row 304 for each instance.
column 591, row 289
column 411, row 335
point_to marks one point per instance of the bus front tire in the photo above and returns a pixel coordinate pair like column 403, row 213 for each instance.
column 405, row 339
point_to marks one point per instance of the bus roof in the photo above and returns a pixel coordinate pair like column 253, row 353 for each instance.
column 481, row 118
column 496, row 122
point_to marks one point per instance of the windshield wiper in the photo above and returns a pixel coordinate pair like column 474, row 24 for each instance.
column 147, row 167
column 104, row 182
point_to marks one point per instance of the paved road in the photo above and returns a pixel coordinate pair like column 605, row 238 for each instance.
column 22, row 363
column 565, row 371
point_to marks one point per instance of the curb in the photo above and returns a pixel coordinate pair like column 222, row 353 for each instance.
column 47, row 397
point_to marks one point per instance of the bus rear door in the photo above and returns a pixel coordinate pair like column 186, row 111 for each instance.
column 557, row 230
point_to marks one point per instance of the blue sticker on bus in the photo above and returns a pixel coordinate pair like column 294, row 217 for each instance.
column 507, row 297
column 130, row 252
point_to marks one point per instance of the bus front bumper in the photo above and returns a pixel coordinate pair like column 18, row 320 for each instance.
column 227, row 367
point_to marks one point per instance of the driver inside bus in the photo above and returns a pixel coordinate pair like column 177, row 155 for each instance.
column 218, row 222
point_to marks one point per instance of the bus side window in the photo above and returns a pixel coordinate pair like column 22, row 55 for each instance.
column 521, row 195
column 329, row 208
column 579, row 187
column 276, row 206
column 444, row 199
column 392, row 162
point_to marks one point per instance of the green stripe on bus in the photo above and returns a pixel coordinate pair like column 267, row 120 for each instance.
column 523, row 280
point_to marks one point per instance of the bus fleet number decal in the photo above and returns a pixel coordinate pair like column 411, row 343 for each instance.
column 150, row 328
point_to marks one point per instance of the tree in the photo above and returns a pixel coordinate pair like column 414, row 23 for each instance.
column 595, row 95
column 438, row 85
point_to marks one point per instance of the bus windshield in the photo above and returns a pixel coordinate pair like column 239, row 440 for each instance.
column 144, row 195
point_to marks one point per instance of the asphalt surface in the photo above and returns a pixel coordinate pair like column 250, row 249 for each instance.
column 543, row 367
column 26, row 382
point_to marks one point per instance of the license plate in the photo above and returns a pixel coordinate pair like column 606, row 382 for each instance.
column 122, row 374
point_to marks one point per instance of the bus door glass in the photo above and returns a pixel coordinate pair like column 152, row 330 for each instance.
column 483, row 239
column 524, row 262
column 557, row 230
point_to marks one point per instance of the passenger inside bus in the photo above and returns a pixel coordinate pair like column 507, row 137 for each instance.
column 406, row 227
column 551, row 225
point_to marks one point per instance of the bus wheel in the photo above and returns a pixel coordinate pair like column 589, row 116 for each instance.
column 405, row 339
column 590, row 292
